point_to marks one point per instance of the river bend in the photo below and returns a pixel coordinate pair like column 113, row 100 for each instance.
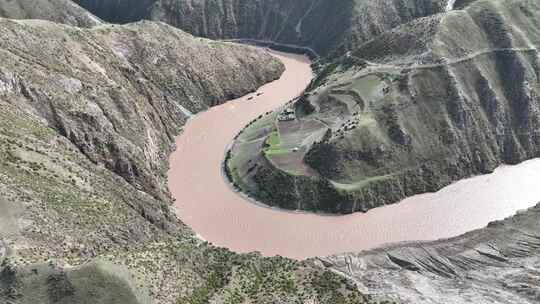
column 217, row 214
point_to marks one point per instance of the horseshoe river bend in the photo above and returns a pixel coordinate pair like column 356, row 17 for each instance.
column 218, row 214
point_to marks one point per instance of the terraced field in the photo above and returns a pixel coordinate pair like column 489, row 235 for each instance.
column 342, row 111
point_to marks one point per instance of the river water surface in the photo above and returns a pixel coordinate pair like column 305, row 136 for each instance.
column 216, row 213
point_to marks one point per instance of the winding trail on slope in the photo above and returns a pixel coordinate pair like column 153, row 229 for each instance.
column 207, row 204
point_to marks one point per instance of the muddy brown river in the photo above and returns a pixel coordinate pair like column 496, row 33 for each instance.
column 223, row 217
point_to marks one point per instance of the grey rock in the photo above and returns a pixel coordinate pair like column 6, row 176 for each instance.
column 497, row 264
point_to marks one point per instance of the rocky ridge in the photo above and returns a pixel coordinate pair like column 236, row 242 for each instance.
column 124, row 74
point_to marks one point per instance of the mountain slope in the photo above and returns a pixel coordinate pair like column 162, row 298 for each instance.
column 88, row 120
column 130, row 81
column 497, row 264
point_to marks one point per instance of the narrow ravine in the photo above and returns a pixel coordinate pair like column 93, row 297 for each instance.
column 217, row 214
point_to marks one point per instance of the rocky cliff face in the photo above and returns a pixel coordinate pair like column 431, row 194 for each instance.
column 61, row 11
column 87, row 120
column 415, row 109
column 109, row 76
column 322, row 25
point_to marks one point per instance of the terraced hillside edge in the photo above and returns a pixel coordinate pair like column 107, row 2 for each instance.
column 87, row 121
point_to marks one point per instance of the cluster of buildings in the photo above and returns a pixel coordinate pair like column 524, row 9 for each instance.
column 287, row 115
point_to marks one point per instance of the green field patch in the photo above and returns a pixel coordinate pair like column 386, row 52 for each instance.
column 273, row 140
column 366, row 119
column 273, row 145
column 369, row 87
column 258, row 128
